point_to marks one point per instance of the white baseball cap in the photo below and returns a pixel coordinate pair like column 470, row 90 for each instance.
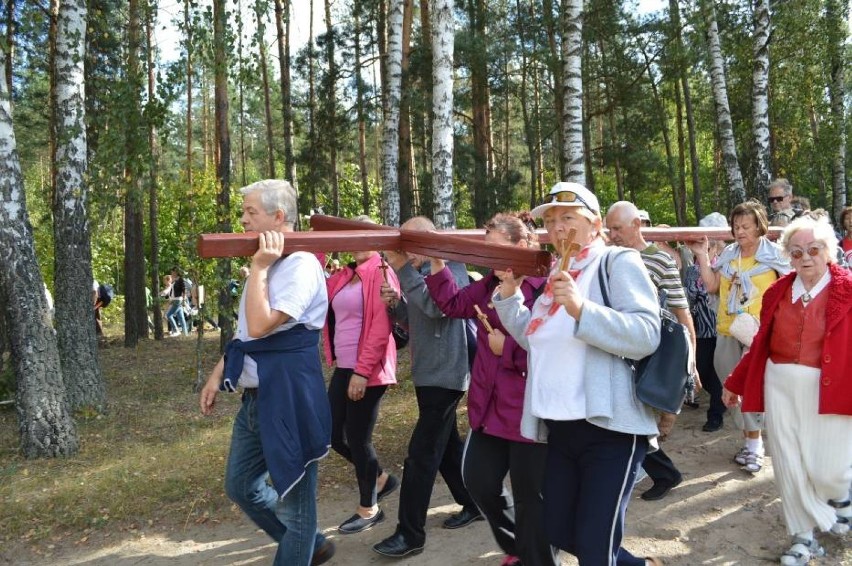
column 644, row 216
column 570, row 194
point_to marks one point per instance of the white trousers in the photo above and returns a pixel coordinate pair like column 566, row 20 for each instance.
column 811, row 453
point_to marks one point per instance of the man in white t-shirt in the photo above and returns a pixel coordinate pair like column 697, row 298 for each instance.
column 283, row 427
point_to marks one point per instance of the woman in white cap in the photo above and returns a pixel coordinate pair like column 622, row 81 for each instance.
column 580, row 396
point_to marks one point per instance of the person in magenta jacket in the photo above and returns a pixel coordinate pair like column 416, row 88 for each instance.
column 495, row 403
column 357, row 340
column 797, row 370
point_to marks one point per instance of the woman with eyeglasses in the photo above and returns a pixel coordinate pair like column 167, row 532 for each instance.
column 579, row 394
column 741, row 275
column 797, row 370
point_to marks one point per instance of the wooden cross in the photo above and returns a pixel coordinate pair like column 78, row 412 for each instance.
column 342, row 235
column 484, row 319
column 568, row 248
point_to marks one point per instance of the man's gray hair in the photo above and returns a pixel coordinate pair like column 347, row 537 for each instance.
column 276, row 194
column 781, row 183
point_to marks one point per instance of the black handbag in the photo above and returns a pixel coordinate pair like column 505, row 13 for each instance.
column 400, row 335
column 662, row 376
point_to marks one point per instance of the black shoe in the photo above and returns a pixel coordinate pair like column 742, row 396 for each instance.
column 395, row 546
column 390, row 486
column 712, row 425
column 323, row 554
column 660, row 489
column 463, row 518
column 356, row 523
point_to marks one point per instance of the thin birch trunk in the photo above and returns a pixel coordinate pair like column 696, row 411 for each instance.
column 760, row 100
column 574, row 163
column 390, row 134
column 723, row 112
column 443, row 43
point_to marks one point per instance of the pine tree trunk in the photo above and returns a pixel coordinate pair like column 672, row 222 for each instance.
column 187, row 23
column 223, row 164
column 681, row 158
column 723, row 112
column 312, row 106
column 135, row 318
column 282, row 25
column 331, row 109
column 574, row 163
column 556, row 70
column 390, row 133
column 524, row 94
column 836, row 14
column 683, row 77
column 760, row 101
column 241, row 99
column 153, row 202
column 44, row 421
column 357, row 8
column 443, row 43
column 478, row 62
column 75, row 319
column 264, row 74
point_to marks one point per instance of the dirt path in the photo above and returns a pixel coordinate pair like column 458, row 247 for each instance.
column 718, row 516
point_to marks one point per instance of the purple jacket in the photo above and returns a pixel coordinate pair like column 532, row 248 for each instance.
column 495, row 400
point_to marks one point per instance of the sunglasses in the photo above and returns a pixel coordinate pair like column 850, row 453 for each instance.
column 776, row 199
column 567, row 197
column 813, row 251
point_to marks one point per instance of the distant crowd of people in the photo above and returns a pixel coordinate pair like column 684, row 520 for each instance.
column 552, row 402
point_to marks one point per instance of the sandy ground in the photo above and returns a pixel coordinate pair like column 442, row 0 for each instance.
column 719, row 515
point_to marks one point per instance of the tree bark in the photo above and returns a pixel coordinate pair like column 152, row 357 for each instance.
column 574, row 164
column 264, row 74
column 443, row 42
column 836, row 14
column 72, row 248
column 187, row 24
column 330, row 98
column 556, row 70
column 10, row 43
column 480, row 102
column 760, row 100
column 282, row 24
column 135, row 318
column 223, row 165
column 357, row 8
column 153, row 201
column 390, row 133
column 723, row 112
column 45, row 424
column 406, row 155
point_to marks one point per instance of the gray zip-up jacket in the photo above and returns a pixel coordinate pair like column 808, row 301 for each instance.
column 630, row 329
column 438, row 344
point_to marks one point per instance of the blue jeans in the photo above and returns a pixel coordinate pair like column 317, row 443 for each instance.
column 175, row 316
column 291, row 520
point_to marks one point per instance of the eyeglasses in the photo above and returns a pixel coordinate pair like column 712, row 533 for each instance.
column 567, row 197
column 776, row 199
column 813, row 251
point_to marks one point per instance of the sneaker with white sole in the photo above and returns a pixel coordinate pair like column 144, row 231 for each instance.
column 801, row 552
column 740, row 457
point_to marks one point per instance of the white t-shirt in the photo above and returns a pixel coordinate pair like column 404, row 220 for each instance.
column 296, row 288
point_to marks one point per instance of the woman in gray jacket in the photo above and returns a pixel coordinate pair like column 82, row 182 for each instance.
column 580, row 395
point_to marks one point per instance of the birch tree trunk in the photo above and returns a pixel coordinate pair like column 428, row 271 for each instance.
column 760, row 100
column 72, row 248
column 574, row 164
column 723, row 111
column 45, row 424
column 836, row 15
column 443, row 43
column 11, row 28
column 390, row 134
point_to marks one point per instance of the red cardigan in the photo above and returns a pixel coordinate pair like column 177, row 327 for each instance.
column 835, row 395
column 376, row 347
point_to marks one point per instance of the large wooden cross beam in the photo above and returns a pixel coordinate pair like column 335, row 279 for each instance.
column 360, row 236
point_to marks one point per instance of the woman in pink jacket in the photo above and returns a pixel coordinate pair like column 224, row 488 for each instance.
column 797, row 370
column 357, row 339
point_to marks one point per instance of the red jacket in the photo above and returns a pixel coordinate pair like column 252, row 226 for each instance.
column 835, row 395
column 376, row 347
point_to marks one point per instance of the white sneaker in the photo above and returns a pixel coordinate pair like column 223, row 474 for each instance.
column 801, row 552
column 841, row 527
column 173, row 334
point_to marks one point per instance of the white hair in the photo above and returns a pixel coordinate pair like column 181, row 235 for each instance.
column 823, row 233
column 625, row 210
column 275, row 195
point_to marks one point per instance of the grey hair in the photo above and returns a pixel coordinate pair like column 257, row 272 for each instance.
column 823, row 233
column 275, row 195
column 625, row 210
column 781, row 183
